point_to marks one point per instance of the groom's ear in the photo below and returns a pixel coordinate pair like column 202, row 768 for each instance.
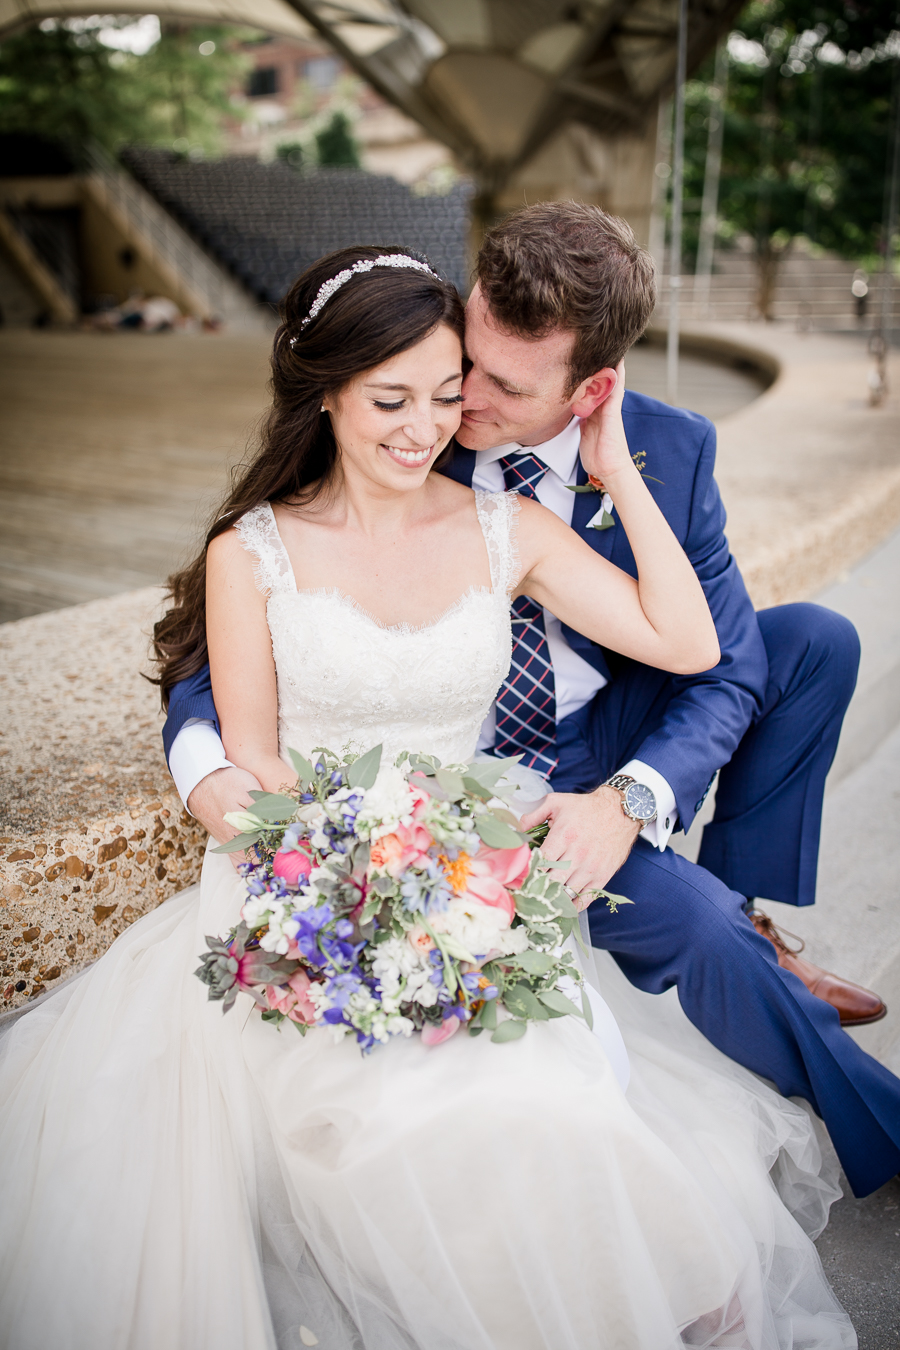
column 593, row 391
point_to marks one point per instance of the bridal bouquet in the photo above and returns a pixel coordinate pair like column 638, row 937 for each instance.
column 388, row 899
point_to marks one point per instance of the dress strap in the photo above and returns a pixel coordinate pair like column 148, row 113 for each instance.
column 258, row 534
column 498, row 515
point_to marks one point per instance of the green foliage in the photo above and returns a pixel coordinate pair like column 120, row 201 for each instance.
column 336, row 145
column 62, row 82
column 807, row 114
column 291, row 153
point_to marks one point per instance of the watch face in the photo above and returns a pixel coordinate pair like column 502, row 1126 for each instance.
column 640, row 801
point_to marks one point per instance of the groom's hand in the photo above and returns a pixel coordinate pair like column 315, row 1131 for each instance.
column 590, row 830
column 225, row 790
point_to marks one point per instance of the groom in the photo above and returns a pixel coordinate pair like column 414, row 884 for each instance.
column 562, row 291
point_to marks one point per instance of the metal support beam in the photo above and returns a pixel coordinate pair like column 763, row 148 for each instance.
column 677, row 200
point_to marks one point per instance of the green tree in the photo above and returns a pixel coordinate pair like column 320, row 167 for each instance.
column 62, row 82
column 336, row 145
column 65, row 85
column 807, row 124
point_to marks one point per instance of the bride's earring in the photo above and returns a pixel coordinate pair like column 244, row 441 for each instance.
column 323, row 408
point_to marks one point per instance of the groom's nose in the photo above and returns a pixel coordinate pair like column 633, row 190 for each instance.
column 473, row 391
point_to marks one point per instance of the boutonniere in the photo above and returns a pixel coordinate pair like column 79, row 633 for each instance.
column 603, row 520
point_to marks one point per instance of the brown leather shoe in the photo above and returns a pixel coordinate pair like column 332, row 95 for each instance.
column 857, row 1006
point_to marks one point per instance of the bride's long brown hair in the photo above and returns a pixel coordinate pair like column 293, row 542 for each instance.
column 370, row 319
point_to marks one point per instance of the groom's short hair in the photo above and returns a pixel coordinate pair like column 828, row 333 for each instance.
column 572, row 266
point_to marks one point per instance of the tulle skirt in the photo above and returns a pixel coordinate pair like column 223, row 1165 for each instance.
column 174, row 1178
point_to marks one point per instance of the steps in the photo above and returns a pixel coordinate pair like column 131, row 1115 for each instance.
column 814, row 292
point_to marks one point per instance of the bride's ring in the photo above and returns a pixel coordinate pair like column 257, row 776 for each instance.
column 571, row 893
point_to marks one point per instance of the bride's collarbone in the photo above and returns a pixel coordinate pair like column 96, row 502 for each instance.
column 413, row 580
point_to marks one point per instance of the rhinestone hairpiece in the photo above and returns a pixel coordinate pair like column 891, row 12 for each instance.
column 328, row 288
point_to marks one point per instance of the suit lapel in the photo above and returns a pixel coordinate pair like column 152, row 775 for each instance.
column 587, row 504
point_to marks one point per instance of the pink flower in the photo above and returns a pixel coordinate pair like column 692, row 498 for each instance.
column 407, row 846
column 292, row 865
column 419, row 940
column 432, row 1034
column 293, row 998
column 495, row 872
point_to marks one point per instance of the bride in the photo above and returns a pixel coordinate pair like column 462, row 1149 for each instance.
column 173, row 1179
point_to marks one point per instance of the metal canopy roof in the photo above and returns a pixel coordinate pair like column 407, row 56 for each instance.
column 275, row 16
column 494, row 80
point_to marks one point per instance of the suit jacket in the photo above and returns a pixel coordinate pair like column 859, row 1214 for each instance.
column 708, row 714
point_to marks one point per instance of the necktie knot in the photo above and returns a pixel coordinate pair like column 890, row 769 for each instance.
column 522, row 473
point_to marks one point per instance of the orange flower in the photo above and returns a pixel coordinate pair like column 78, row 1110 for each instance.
column 457, row 870
column 386, row 851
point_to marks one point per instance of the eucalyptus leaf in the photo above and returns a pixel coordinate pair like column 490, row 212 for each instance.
column 451, row 782
column 536, row 963
column 238, row 843
column 363, row 771
column 273, row 806
column 556, row 999
column 509, row 1031
column 496, row 834
column 521, row 1001
column 423, row 763
column 305, row 771
column 585, row 487
column 613, row 901
column 477, row 789
column 475, row 1030
column 489, row 1014
column 429, row 785
column 587, row 1009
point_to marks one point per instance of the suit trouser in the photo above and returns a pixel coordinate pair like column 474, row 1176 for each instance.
column 687, row 926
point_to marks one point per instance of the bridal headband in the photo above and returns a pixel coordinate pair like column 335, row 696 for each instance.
column 328, row 288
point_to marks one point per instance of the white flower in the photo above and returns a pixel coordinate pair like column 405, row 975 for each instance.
column 387, row 803
column 479, row 928
column 245, row 822
column 255, row 910
column 400, row 1026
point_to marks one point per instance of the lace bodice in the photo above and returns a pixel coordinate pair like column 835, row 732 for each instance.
column 347, row 681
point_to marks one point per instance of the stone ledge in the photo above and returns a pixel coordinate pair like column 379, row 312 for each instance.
column 92, row 833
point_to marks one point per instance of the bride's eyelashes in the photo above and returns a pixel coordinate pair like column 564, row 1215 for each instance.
column 395, row 407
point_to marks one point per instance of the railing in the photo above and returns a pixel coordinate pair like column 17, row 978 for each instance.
column 222, row 296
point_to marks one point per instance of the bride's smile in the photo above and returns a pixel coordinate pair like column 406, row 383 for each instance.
column 393, row 421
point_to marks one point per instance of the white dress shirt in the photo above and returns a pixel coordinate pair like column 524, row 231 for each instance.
column 198, row 750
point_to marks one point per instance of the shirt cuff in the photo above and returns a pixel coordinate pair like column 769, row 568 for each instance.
column 658, row 833
column 197, row 751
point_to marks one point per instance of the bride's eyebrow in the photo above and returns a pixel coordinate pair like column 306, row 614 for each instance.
column 405, row 388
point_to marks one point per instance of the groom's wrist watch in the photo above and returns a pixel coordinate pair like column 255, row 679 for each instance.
column 638, row 801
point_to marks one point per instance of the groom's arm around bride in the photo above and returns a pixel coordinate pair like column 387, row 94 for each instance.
column 563, row 290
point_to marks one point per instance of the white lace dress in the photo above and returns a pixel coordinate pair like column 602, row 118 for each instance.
column 176, row 1179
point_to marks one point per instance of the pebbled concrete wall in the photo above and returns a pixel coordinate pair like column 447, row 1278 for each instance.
column 92, row 833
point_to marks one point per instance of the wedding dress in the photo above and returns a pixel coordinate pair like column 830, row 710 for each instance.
column 176, row 1179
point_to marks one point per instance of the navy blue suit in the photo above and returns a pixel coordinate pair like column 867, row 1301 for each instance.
column 768, row 716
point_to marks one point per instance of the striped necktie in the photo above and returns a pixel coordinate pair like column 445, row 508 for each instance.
column 526, row 703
